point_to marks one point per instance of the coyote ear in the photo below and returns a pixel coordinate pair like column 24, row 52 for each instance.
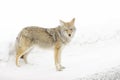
column 62, row 22
column 72, row 21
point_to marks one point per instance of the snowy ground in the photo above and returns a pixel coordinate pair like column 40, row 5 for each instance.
column 80, row 59
column 94, row 49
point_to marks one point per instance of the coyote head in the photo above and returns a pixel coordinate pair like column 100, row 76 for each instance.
column 68, row 28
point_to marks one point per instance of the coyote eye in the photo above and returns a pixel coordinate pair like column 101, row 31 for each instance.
column 71, row 29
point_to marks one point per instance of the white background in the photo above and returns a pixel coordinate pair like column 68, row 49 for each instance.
column 94, row 48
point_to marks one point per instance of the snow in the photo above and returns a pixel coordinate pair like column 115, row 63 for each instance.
column 94, row 49
column 112, row 74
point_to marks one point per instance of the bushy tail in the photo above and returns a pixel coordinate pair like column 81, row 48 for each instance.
column 12, row 50
column 7, row 49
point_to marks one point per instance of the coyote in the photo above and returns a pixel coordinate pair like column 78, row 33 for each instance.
column 33, row 36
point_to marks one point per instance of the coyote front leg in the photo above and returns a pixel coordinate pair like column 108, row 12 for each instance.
column 57, row 57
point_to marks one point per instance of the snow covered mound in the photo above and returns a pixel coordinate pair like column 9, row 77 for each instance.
column 113, row 74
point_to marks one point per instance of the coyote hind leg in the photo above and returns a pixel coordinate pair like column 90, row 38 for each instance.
column 20, row 53
column 26, row 54
column 22, row 48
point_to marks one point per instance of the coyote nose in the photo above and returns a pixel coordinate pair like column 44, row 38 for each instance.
column 69, row 34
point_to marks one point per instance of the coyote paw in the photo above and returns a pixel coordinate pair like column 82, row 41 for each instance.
column 17, row 65
column 60, row 68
